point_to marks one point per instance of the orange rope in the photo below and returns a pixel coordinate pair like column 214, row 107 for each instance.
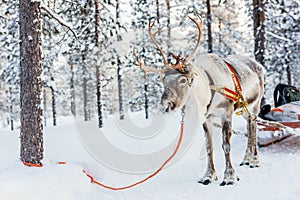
column 134, row 184
column 148, row 177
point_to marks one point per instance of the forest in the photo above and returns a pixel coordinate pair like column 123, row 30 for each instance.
column 84, row 61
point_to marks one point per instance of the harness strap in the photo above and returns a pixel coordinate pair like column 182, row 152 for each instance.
column 235, row 79
column 228, row 93
column 235, row 96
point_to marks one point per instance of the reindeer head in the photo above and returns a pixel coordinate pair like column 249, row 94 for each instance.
column 177, row 77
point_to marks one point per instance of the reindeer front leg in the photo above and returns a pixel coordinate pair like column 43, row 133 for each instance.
column 210, row 174
column 229, row 174
column 251, row 156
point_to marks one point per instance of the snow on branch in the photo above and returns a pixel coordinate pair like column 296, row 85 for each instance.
column 277, row 36
column 59, row 19
column 3, row 17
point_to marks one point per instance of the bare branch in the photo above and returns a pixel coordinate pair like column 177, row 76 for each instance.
column 3, row 17
column 277, row 36
column 58, row 18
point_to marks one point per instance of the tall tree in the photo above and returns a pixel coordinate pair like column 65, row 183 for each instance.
column 72, row 90
column 119, row 63
column 259, row 33
column 11, row 113
column 209, row 24
column 9, row 56
column 282, row 29
column 169, row 44
column 141, row 22
column 86, row 13
column 259, row 30
column 144, row 12
column 31, row 132
column 98, row 82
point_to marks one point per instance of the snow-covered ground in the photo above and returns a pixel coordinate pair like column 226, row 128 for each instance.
column 278, row 176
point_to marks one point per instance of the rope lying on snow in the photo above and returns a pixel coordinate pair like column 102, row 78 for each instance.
column 138, row 182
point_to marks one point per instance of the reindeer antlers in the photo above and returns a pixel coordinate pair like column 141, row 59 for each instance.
column 200, row 27
column 180, row 64
column 144, row 67
column 155, row 43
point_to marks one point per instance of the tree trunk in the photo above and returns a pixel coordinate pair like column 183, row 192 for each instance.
column 289, row 75
column 53, row 102
column 86, row 109
column 146, row 104
column 286, row 59
column 98, row 80
column 259, row 30
column 169, row 44
column 157, row 11
column 119, row 74
column 85, row 73
column 72, row 88
column 209, row 32
column 259, row 34
column 220, row 35
column 11, row 113
column 120, row 90
column 146, row 100
column 45, row 106
column 31, row 132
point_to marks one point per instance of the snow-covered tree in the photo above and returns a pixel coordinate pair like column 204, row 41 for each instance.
column 282, row 46
column 9, row 56
column 283, row 33
column 145, row 12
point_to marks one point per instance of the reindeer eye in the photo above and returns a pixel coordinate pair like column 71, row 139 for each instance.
column 182, row 80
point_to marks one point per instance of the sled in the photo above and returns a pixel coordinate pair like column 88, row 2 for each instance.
column 288, row 115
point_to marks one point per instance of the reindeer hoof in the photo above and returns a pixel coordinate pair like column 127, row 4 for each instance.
column 229, row 182
column 226, row 183
column 229, row 178
column 254, row 166
column 205, row 182
column 208, row 179
column 245, row 163
column 250, row 160
column 251, row 165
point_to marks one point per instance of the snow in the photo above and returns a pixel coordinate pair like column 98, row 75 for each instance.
column 276, row 178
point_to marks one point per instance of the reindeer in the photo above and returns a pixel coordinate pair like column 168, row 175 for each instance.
column 208, row 77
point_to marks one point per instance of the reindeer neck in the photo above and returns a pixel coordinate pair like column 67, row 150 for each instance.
column 200, row 87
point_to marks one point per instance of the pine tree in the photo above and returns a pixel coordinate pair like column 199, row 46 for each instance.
column 9, row 56
column 31, row 132
column 98, row 82
column 119, row 63
column 283, row 32
column 209, row 29
column 259, row 30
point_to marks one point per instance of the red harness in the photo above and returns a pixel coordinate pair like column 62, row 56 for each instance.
column 236, row 96
column 228, row 93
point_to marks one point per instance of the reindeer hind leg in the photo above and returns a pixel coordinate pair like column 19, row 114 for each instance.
column 251, row 155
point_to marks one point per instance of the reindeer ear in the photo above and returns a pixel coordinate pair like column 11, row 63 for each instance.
column 187, row 69
column 189, row 74
column 191, row 79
